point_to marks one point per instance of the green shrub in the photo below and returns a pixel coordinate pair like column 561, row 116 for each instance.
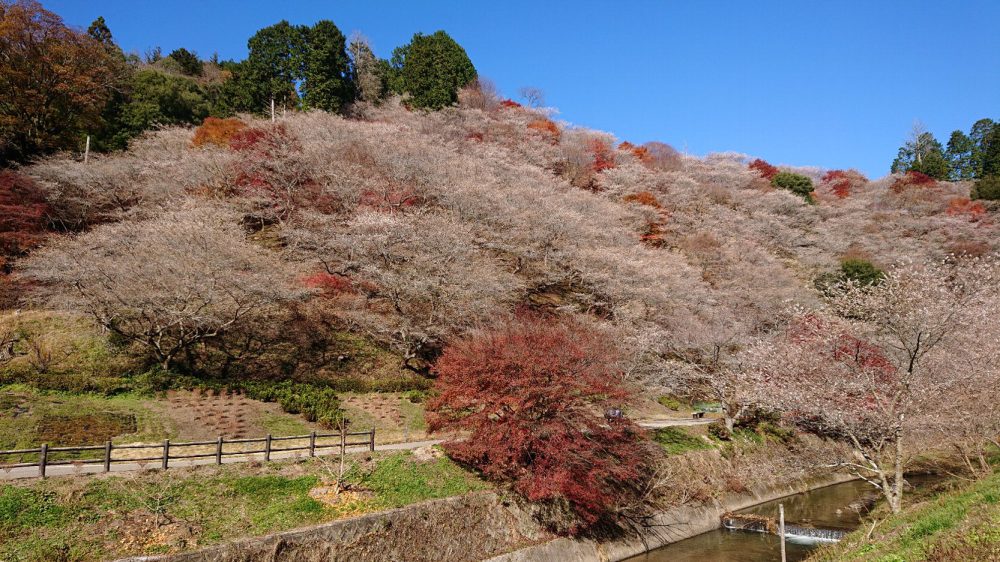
column 675, row 441
column 987, row 188
column 669, row 402
column 416, row 396
column 796, row 183
column 317, row 404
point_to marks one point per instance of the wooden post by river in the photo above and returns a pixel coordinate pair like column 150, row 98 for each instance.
column 781, row 529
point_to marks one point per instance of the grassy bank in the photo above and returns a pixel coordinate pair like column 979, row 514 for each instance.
column 161, row 512
column 959, row 524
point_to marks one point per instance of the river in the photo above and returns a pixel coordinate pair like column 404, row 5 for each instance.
column 834, row 507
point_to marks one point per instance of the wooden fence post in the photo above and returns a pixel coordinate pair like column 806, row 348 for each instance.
column 218, row 450
column 267, row 447
column 107, row 456
column 166, row 453
column 43, row 459
column 371, row 446
column 86, row 151
column 781, row 529
column 312, row 444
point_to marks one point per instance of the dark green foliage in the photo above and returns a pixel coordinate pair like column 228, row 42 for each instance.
column 154, row 99
column 328, row 83
column 796, row 183
column 987, row 188
column 961, row 156
column 861, row 272
column 924, row 154
column 276, row 62
column 431, row 68
column 978, row 134
column 99, row 30
column 188, row 62
column 991, row 153
column 316, row 403
column 284, row 56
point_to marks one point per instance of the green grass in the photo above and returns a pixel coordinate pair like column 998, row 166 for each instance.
column 676, row 441
column 962, row 524
column 399, row 481
column 283, row 425
column 100, row 518
column 24, row 413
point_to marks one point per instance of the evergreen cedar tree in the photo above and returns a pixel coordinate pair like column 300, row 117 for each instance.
column 55, row 82
column 532, row 395
column 432, row 68
column 188, row 62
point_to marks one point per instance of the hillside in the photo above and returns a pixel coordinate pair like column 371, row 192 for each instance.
column 408, row 228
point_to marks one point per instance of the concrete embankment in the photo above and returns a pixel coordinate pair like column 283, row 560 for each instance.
column 478, row 526
column 668, row 527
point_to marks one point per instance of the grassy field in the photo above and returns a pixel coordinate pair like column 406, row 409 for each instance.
column 955, row 525
column 182, row 509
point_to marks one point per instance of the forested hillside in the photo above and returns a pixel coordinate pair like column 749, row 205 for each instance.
column 380, row 220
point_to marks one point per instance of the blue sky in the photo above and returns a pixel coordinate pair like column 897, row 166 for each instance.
column 800, row 82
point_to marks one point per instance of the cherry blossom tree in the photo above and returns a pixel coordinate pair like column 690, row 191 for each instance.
column 883, row 364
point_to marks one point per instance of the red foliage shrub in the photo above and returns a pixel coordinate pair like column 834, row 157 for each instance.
column 271, row 173
column 912, row 179
column 963, row 206
column 604, row 156
column 510, row 104
column 390, row 199
column 531, row 394
column 842, row 181
column 643, row 198
column 330, row 284
column 23, row 214
column 546, row 127
column 475, row 136
column 762, row 167
column 217, row 131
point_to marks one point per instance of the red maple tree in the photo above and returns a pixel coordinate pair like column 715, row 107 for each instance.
column 765, row 169
column 532, row 396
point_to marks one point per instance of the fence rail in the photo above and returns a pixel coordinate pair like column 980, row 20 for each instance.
column 168, row 450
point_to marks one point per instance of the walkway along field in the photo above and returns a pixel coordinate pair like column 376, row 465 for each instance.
column 165, row 455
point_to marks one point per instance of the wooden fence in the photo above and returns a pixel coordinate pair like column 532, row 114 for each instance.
column 104, row 454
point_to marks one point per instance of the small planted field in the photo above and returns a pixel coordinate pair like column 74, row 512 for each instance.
column 29, row 417
column 396, row 416
column 182, row 509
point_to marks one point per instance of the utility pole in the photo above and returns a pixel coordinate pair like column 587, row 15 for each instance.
column 272, row 110
column 86, row 151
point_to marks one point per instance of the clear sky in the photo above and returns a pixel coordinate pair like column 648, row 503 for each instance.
column 835, row 84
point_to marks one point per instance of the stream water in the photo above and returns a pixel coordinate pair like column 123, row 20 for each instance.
column 840, row 506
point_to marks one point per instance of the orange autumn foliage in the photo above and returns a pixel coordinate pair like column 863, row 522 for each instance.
column 546, row 127
column 217, row 131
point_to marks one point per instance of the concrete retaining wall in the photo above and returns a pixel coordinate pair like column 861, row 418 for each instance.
column 465, row 528
column 479, row 526
column 669, row 527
